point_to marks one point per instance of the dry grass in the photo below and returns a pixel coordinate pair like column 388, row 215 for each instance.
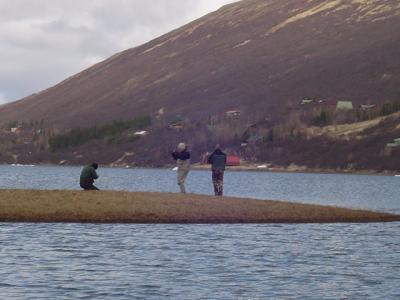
column 125, row 207
column 343, row 131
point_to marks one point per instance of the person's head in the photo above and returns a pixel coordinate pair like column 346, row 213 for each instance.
column 217, row 147
column 95, row 166
column 181, row 147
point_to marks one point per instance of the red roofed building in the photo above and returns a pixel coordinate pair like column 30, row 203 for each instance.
column 233, row 113
column 232, row 160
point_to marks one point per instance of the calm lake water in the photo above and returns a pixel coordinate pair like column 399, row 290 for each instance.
column 123, row 261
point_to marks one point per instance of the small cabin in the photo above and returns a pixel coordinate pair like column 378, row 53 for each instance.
column 16, row 130
column 177, row 125
column 367, row 106
column 307, row 101
column 232, row 160
column 233, row 113
column 392, row 145
column 141, row 133
column 395, row 143
column 344, row 105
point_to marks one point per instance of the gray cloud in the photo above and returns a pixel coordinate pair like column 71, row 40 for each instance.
column 43, row 41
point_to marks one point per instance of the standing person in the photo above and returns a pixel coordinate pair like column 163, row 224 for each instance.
column 88, row 175
column 218, row 161
column 182, row 157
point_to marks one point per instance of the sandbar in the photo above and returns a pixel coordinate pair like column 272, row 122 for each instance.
column 54, row 206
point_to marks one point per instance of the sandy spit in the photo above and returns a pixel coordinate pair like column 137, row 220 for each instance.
column 139, row 207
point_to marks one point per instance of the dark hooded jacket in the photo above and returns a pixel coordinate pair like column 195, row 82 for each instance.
column 183, row 155
column 217, row 160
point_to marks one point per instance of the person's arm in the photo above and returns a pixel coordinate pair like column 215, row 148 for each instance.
column 174, row 155
column 209, row 160
column 94, row 174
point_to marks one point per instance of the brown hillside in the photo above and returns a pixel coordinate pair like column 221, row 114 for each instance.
column 255, row 55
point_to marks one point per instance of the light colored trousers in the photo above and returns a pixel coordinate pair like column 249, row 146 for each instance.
column 183, row 170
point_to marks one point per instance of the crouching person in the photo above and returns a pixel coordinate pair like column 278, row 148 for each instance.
column 218, row 161
column 182, row 157
column 88, row 176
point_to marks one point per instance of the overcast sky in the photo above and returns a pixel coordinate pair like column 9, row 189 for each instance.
column 44, row 41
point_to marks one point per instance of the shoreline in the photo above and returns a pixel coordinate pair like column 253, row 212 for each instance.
column 254, row 168
column 62, row 206
column 242, row 168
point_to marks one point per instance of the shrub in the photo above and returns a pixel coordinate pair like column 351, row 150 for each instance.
column 389, row 108
column 323, row 119
column 80, row 136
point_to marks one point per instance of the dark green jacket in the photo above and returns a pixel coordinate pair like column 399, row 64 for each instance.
column 88, row 175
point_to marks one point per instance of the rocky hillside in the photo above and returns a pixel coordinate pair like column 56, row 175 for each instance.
column 258, row 57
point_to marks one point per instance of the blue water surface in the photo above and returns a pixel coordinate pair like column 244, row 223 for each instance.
column 246, row 261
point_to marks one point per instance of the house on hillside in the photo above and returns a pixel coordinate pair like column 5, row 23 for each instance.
column 367, row 106
column 233, row 113
column 344, row 105
column 395, row 143
column 176, row 125
column 307, row 101
column 141, row 133
column 16, row 130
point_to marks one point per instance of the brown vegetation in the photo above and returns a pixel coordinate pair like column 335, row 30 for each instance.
column 126, row 207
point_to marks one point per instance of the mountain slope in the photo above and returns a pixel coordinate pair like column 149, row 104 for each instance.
column 253, row 55
column 260, row 57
